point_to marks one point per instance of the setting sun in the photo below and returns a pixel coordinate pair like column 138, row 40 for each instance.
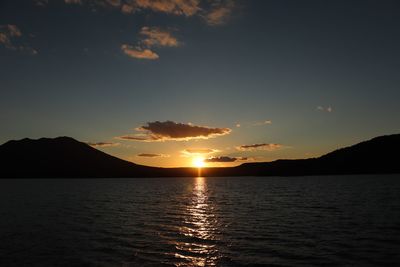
column 199, row 162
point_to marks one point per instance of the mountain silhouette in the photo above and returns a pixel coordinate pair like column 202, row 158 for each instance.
column 377, row 155
column 65, row 157
column 62, row 157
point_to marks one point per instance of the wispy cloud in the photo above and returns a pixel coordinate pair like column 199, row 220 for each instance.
column 254, row 123
column 150, row 37
column 136, row 137
column 263, row 146
column 73, row 2
column 325, row 109
column 115, row 3
column 128, row 9
column 225, row 159
column 169, row 130
column 151, row 155
column 137, row 52
column 102, row 144
column 176, row 7
column 41, row 2
column 219, row 13
column 213, row 12
column 260, row 123
column 8, row 34
column 198, row 151
column 154, row 36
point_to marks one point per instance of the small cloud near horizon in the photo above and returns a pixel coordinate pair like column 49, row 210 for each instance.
column 152, row 155
column 263, row 146
column 225, row 159
column 102, row 144
column 197, row 151
column 220, row 159
column 172, row 131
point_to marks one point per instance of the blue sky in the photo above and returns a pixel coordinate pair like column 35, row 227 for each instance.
column 324, row 74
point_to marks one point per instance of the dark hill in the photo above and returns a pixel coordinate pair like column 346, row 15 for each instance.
column 378, row 155
column 66, row 157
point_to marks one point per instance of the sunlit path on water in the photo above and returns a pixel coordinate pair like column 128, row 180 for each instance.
column 200, row 225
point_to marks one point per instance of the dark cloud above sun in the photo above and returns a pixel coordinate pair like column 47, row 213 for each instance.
column 225, row 159
column 174, row 131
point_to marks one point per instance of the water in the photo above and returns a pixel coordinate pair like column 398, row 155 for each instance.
column 248, row 221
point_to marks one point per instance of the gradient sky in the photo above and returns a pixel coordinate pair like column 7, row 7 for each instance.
column 300, row 78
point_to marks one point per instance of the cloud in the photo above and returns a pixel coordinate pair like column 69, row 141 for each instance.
column 128, row 9
column 139, row 52
column 219, row 13
column 151, row 155
column 73, row 2
column 176, row 7
column 102, row 144
column 326, row 109
column 266, row 122
column 41, row 2
column 95, row 3
column 215, row 12
column 264, row 146
column 220, row 159
column 173, row 131
column 225, row 159
column 197, row 151
column 8, row 34
column 115, row 3
column 132, row 137
column 156, row 36
column 150, row 37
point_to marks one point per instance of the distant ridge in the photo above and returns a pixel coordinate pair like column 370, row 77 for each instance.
column 378, row 155
column 65, row 157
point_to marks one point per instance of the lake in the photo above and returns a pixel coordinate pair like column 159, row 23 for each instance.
column 241, row 221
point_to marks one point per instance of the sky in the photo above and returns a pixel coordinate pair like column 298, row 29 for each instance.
column 173, row 82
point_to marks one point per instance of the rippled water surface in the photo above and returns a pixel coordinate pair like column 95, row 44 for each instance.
column 247, row 221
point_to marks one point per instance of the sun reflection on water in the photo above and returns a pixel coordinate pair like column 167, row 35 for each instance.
column 200, row 227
